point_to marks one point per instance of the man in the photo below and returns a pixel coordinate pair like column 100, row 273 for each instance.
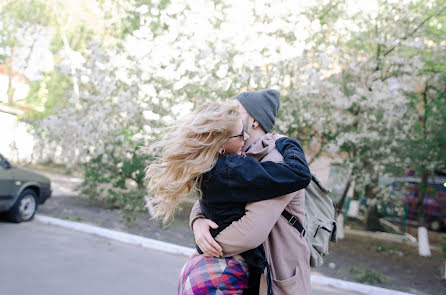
column 285, row 248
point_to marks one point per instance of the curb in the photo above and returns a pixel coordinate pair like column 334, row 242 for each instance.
column 387, row 237
column 352, row 286
column 186, row 251
column 383, row 236
column 117, row 236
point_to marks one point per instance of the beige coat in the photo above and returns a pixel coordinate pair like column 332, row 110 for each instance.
column 286, row 250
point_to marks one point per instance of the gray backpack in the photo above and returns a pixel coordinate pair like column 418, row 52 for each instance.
column 321, row 224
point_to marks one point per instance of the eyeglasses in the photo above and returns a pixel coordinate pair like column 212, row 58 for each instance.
column 242, row 135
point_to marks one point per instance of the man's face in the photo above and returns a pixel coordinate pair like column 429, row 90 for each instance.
column 247, row 121
column 246, row 117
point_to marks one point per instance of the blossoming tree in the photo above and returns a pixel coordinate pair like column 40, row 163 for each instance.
column 346, row 75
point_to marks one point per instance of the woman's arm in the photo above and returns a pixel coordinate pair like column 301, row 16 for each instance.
column 201, row 228
column 240, row 179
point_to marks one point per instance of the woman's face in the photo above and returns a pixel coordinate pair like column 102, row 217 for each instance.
column 236, row 141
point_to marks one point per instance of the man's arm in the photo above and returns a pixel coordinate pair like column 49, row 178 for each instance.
column 254, row 227
column 195, row 213
column 246, row 233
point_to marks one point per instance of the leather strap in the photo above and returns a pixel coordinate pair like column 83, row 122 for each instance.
column 292, row 220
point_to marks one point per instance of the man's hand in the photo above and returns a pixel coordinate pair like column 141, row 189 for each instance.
column 204, row 239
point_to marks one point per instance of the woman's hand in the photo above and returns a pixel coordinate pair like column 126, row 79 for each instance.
column 204, row 239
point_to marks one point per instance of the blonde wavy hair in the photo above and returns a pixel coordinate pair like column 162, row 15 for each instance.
column 188, row 150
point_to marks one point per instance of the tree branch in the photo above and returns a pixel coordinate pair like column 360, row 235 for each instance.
column 378, row 51
column 415, row 30
column 326, row 11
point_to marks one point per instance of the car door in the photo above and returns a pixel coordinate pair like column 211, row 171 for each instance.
column 6, row 181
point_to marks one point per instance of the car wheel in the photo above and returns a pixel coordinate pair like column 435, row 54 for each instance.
column 435, row 225
column 25, row 207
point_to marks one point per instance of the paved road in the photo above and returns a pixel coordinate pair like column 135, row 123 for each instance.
column 42, row 259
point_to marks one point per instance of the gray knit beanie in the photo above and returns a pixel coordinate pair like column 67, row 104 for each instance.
column 262, row 105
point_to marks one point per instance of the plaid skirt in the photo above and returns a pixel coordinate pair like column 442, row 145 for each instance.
column 210, row 275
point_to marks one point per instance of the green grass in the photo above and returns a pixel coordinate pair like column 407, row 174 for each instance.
column 392, row 250
column 77, row 218
column 366, row 275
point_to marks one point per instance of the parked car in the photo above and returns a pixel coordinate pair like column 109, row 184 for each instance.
column 21, row 191
column 434, row 200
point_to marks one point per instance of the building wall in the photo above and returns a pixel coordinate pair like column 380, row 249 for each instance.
column 16, row 142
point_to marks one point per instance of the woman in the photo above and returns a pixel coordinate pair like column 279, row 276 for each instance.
column 203, row 153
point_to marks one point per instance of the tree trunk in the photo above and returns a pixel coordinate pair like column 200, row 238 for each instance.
column 340, row 227
column 344, row 193
column 372, row 223
column 10, row 73
column 422, row 190
column 423, row 242
column 423, row 238
column 444, row 270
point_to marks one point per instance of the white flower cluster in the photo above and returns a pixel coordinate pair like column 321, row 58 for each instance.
column 346, row 74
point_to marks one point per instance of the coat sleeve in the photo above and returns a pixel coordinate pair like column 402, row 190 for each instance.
column 254, row 227
column 195, row 214
column 251, row 181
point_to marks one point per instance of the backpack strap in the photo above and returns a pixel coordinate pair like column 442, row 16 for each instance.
column 292, row 220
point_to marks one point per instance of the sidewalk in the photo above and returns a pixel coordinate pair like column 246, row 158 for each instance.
column 43, row 259
column 321, row 284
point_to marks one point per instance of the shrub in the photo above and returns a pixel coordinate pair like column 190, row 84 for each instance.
column 117, row 180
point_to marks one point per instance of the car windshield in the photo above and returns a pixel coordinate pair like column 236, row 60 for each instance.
column 3, row 161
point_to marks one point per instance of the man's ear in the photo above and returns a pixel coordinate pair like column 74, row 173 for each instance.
column 254, row 124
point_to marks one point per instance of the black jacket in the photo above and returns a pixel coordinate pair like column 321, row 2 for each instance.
column 236, row 180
